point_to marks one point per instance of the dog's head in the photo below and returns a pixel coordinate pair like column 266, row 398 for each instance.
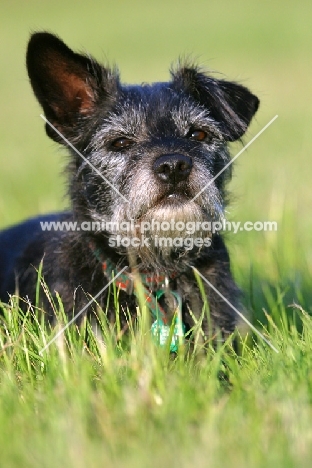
column 154, row 154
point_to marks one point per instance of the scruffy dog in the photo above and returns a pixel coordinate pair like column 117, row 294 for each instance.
column 146, row 186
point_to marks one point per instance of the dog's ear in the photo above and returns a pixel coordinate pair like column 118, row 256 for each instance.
column 230, row 104
column 66, row 84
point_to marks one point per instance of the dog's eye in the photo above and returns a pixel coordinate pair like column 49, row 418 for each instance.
column 198, row 135
column 121, row 143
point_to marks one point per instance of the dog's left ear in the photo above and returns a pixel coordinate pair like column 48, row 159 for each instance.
column 67, row 85
column 230, row 104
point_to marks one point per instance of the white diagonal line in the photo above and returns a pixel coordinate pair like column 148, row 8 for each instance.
column 82, row 156
column 236, row 310
column 81, row 311
column 233, row 159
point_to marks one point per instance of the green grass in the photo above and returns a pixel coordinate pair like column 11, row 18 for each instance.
column 131, row 405
column 128, row 403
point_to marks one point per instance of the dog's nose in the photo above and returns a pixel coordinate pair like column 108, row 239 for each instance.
column 173, row 168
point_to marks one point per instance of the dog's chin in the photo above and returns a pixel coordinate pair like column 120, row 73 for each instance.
column 174, row 228
column 168, row 235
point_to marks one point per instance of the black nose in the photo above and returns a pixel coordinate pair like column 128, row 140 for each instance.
column 173, row 168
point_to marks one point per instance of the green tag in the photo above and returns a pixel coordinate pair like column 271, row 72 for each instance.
column 162, row 333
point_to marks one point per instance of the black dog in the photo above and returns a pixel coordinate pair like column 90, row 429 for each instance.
column 142, row 187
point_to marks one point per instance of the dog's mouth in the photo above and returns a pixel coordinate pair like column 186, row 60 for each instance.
column 177, row 206
column 171, row 206
column 180, row 192
column 178, row 197
column 172, row 200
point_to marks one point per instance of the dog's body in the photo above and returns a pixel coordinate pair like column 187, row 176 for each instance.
column 142, row 153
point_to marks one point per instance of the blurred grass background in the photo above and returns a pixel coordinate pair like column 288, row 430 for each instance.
column 265, row 45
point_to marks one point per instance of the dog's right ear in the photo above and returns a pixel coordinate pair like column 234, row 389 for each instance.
column 67, row 85
column 230, row 104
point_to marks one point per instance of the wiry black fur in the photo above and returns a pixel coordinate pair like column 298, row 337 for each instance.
column 89, row 106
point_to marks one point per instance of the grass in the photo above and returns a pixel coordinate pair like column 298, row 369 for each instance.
column 130, row 404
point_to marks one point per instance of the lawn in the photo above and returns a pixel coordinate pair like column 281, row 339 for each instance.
column 130, row 404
